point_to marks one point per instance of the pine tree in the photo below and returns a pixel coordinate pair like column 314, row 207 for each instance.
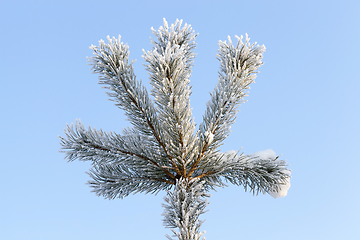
column 163, row 150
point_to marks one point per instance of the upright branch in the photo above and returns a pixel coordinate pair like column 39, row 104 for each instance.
column 169, row 64
column 111, row 62
column 237, row 71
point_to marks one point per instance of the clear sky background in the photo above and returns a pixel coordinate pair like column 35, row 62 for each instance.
column 304, row 105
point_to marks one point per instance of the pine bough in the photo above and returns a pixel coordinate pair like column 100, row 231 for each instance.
column 162, row 150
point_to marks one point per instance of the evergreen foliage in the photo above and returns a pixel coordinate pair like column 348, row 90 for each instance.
column 163, row 150
column 183, row 208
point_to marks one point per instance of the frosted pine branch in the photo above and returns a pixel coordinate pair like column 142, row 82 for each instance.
column 100, row 148
column 162, row 149
column 169, row 65
column 183, row 207
column 257, row 173
column 237, row 71
column 118, row 181
column 111, row 62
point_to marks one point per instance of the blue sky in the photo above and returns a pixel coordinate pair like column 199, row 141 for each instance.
column 304, row 105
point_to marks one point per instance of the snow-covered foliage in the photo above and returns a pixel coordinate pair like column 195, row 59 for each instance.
column 183, row 207
column 265, row 174
column 163, row 150
column 169, row 64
